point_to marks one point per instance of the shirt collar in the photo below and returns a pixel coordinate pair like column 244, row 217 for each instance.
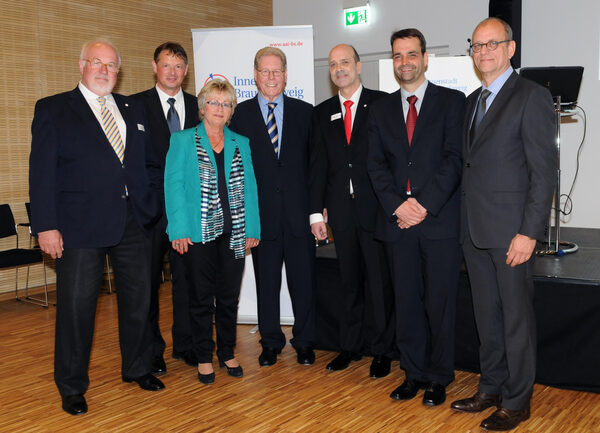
column 498, row 82
column 354, row 98
column 263, row 102
column 91, row 96
column 419, row 93
column 164, row 96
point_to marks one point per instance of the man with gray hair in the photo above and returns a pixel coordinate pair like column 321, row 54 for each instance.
column 279, row 131
column 93, row 183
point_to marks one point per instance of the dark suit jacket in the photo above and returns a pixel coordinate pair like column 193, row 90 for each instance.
column 76, row 181
column 509, row 169
column 333, row 163
column 432, row 161
column 282, row 183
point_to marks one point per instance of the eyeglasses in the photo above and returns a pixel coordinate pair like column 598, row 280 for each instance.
column 490, row 45
column 266, row 72
column 216, row 104
column 97, row 64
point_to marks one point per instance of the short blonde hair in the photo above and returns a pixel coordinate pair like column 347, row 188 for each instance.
column 213, row 87
column 270, row 51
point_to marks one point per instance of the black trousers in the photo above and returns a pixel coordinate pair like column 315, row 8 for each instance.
column 425, row 275
column 367, row 306
column 181, row 330
column 503, row 305
column 215, row 279
column 79, row 275
column 298, row 253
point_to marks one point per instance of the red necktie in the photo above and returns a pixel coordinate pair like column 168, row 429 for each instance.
column 348, row 120
column 411, row 122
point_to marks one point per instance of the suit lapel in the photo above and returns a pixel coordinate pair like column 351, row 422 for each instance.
column 157, row 112
column 260, row 124
column 191, row 107
column 83, row 110
column 361, row 112
column 470, row 111
column 399, row 126
column 428, row 107
column 337, row 125
column 497, row 104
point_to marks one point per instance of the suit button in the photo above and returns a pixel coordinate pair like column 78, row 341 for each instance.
column 277, row 190
column 468, row 165
column 350, row 165
column 123, row 196
column 409, row 163
column 279, row 164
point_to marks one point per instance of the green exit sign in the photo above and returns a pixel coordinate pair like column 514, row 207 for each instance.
column 356, row 16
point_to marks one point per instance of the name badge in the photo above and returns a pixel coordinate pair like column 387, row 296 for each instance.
column 141, row 127
column 336, row 116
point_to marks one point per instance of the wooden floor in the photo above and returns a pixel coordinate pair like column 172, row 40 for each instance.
column 283, row 398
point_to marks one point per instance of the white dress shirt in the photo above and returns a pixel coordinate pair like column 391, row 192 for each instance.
column 179, row 104
column 92, row 100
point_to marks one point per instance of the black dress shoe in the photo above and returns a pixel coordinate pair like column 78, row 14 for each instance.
column 380, row 367
column 146, row 382
column 504, row 419
column 232, row 371
column 206, row 379
column 479, row 402
column 306, row 356
column 408, row 389
column 342, row 361
column 268, row 357
column 158, row 366
column 435, row 394
column 187, row 357
column 74, row 404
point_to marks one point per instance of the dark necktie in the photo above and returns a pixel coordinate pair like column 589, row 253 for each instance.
column 272, row 127
column 348, row 120
column 479, row 112
column 411, row 122
column 173, row 117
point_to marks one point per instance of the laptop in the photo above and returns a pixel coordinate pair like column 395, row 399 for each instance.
column 563, row 81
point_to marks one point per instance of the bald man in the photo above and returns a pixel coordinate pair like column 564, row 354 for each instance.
column 341, row 189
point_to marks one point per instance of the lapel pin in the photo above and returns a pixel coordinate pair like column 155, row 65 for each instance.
column 365, row 106
column 127, row 105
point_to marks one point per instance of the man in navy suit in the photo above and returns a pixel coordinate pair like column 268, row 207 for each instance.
column 168, row 109
column 415, row 166
column 509, row 170
column 93, row 186
column 279, row 131
column 339, row 184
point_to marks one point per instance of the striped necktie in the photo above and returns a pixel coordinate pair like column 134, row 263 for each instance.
column 110, row 129
column 272, row 128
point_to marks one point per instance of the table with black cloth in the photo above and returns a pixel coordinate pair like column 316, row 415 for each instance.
column 566, row 303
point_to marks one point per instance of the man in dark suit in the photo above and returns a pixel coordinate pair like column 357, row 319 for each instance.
column 93, row 186
column 340, row 187
column 279, row 131
column 508, row 181
column 415, row 165
column 168, row 109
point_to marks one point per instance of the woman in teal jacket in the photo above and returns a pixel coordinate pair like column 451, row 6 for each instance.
column 212, row 211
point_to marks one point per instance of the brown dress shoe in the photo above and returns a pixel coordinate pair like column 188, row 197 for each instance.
column 480, row 401
column 504, row 419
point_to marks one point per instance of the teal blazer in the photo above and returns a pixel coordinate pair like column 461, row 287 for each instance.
column 182, row 182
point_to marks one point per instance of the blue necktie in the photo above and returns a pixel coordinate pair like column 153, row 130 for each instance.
column 272, row 127
column 173, row 117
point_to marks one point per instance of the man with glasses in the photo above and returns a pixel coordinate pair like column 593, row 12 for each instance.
column 279, row 131
column 339, row 184
column 509, row 163
column 93, row 184
column 169, row 109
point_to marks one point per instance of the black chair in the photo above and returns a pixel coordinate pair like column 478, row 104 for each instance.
column 18, row 257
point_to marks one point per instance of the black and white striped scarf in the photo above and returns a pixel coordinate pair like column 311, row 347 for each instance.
column 211, row 221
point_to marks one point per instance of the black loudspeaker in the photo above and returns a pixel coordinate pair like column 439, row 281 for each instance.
column 510, row 11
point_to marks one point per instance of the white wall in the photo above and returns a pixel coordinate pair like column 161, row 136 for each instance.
column 553, row 33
